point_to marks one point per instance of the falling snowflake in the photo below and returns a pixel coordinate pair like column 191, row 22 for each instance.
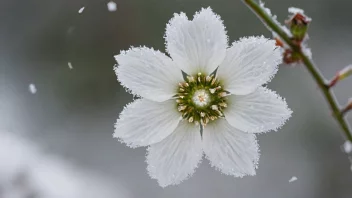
column 215, row 111
column 70, row 65
column 112, row 7
column 81, row 10
column 32, row 88
column 292, row 179
column 347, row 146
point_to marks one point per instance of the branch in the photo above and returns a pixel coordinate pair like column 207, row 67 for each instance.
column 314, row 71
column 348, row 107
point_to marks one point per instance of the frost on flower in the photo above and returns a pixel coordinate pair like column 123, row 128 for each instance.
column 32, row 88
column 222, row 94
column 112, row 7
column 292, row 179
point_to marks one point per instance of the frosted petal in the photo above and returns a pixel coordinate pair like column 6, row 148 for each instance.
column 148, row 73
column 260, row 111
column 230, row 150
column 249, row 63
column 175, row 158
column 145, row 122
column 198, row 45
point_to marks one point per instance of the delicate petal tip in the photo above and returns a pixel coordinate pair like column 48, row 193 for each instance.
column 130, row 91
column 144, row 122
column 229, row 150
column 258, row 112
column 249, row 63
column 164, row 184
column 148, row 73
column 198, row 45
column 275, row 57
column 176, row 158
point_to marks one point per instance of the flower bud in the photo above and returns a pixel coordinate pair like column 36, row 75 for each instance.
column 298, row 23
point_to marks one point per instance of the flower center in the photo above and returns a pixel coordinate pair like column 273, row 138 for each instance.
column 201, row 99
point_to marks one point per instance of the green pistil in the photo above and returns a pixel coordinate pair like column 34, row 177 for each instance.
column 201, row 99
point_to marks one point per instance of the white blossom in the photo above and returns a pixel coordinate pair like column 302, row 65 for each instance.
column 222, row 94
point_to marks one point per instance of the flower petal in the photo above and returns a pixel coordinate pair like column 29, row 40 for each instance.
column 198, row 45
column 144, row 122
column 148, row 73
column 175, row 159
column 249, row 63
column 261, row 111
column 230, row 150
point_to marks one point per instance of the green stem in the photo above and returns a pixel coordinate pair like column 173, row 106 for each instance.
column 314, row 71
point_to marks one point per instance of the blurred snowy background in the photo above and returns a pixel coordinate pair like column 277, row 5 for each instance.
column 56, row 135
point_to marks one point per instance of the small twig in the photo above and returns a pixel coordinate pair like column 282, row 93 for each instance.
column 347, row 108
column 314, row 71
column 342, row 74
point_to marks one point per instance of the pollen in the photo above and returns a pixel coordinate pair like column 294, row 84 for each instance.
column 201, row 99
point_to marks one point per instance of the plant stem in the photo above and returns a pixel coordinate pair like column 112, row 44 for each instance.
column 314, row 71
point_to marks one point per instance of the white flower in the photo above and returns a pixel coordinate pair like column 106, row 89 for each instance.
column 215, row 110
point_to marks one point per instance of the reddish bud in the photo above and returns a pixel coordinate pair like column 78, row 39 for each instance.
column 298, row 23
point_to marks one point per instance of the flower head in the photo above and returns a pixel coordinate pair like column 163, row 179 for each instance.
column 216, row 109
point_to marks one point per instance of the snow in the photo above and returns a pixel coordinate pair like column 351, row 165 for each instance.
column 70, row 65
column 25, row 170
column 112, row 7
column 346, row 71
column 81, row 10
column 274, row 18
column 292, row 179
column 32, row 88
column 347, row 146
column 294, row 10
